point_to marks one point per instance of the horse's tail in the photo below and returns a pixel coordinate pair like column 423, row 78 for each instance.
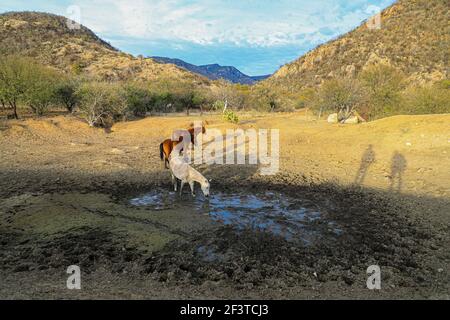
column 161, row 151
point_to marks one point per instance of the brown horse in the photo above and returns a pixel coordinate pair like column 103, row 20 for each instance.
column 166, row 147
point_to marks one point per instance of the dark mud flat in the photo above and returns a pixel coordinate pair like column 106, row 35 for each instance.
column 251, row 244
column 270, row 241
column 295, row 220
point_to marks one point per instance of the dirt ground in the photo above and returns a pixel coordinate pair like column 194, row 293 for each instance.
column 64, row 191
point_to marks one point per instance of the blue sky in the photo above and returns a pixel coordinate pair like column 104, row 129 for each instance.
column 256, row 36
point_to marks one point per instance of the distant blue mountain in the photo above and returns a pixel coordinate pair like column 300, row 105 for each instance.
column 214, row 71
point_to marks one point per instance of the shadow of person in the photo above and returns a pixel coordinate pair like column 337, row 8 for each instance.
column 398, row 167
column 367, row 159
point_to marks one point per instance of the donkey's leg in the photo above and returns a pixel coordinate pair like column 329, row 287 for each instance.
column 174, row 182
column 181, row 188
column 191, row 184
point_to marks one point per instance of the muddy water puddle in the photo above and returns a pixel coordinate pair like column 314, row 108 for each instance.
column 276, row 213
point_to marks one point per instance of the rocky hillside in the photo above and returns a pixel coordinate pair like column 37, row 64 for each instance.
column 414, row 37
column 214, row 71
column 50, row 40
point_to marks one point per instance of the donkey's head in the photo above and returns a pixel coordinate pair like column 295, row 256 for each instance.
column 203, row 123
column 205, row 187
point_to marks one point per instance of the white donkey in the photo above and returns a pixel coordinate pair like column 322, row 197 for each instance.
column 181, row 170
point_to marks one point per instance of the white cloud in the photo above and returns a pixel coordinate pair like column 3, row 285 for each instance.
column 260, row 23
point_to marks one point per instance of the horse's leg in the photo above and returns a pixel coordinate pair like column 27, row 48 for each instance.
column 191, row 184
column 166, row 163
column 167, row 149
column 166, row 159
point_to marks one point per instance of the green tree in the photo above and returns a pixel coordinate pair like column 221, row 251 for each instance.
column 13, row 77
column 66, row 93
column 2, row 102
column 163, row 101
column 40, row 89
column 139, row 100
column 383, row 84
column 187, row 100
column 190, row 97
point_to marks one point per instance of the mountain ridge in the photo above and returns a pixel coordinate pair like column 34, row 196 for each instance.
column 49, row 39
column 214, row 71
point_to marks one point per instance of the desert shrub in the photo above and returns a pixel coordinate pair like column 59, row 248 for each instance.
column 77, row 68
column 230, row 116
column 340, row 95
column 444, row 84
column 100, row 101
column 383, row 84
column 305, row 98
column 425, row 100
column 265, row 99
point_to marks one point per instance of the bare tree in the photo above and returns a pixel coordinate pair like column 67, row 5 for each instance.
column 228, row 95
column 99, row 101
column 340, row 95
